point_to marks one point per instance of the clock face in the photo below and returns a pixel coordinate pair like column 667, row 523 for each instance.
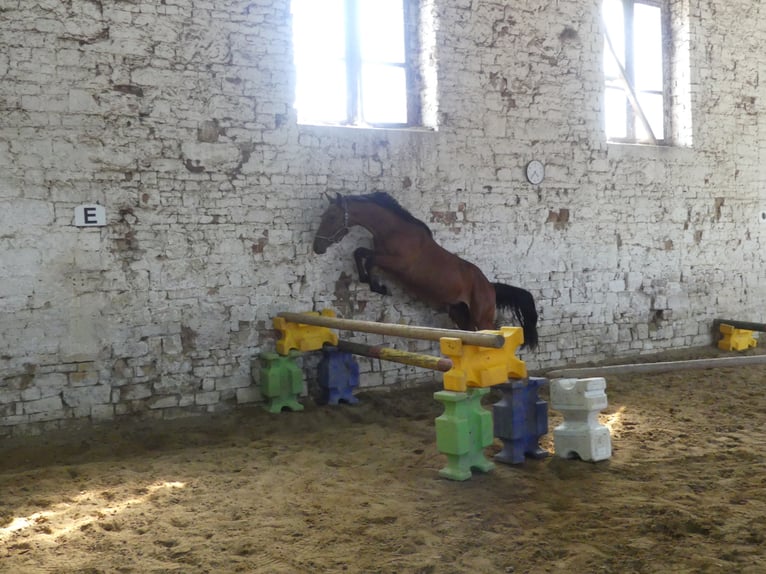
column 535, row 172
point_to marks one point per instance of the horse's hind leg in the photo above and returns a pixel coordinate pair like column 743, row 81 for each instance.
column 482, row 307
column 461, row 315
column 365, row 260
column 483, row 317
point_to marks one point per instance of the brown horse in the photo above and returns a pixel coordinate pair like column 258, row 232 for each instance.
column 404, row 247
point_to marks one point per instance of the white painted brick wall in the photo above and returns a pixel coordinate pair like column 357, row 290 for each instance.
column 177, row 117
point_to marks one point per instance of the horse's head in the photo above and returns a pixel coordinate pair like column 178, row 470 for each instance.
column 334, row 225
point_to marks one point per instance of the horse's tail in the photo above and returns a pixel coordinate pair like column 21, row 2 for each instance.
column 521, row 302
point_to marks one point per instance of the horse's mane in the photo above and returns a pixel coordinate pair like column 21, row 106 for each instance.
column 385, row 201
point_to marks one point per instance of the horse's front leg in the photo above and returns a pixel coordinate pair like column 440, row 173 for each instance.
column 362, row 255
column 365, row 261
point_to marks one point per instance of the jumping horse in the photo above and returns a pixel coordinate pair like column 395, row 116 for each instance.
column 404, row 247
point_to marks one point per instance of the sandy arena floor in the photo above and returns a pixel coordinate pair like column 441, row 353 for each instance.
column 356, row 489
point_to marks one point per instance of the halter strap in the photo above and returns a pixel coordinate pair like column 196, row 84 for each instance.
column 338, row 235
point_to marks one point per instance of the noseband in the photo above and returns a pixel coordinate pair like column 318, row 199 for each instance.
column 340, row 232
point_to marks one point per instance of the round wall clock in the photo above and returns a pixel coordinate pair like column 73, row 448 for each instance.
column 535, row 172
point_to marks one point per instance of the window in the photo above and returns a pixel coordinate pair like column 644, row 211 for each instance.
column 353, row 63
column 636, row 94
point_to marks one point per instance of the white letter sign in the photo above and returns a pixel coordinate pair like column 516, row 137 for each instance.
column 91, row 215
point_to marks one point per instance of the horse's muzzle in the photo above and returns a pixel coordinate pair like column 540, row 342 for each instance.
column 319, row 247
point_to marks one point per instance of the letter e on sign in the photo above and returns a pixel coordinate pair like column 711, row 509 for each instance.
column 91, row 215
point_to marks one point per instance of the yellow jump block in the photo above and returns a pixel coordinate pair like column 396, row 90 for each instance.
column 483, row 366
column 736, row 339
column 304, row 338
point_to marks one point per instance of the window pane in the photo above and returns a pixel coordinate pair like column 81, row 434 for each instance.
column 319, row 49
column 644, row 24
column 651, row 104
column 384, row 94
column 614, row 21
column 319, row 29
column 320, row 94
column 381, row 30
column 648, row 47
column 326, row 74
column 615, row 113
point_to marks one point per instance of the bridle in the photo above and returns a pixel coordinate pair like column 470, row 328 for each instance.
column 341, row 231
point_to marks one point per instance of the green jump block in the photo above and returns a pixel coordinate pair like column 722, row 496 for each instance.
column 281, row 381
column 463, row 432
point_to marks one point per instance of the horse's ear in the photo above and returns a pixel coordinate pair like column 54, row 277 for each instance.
column 338, row 198
column 328, row 196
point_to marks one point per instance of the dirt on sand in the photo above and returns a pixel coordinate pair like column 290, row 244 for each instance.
column 356, row 489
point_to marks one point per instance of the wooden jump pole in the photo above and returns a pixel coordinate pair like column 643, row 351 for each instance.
column 393, row 330
column 656, row 367
column 396, row 356
column 740, row 325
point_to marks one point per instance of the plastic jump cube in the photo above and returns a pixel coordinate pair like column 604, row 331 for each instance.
column 520, row 418
column 303, row 337
column 736, row 339
column 481, row 367
column 463, row 432
column 580, row 401
column 281, row 381
column 338, row 376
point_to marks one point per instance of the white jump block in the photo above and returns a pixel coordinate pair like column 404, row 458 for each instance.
column 580, row 401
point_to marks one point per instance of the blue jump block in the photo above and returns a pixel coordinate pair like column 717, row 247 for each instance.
column 338, row 376
column 520, row 418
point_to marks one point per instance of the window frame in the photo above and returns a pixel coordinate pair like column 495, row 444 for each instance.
column 633, row 108
column 354, row 74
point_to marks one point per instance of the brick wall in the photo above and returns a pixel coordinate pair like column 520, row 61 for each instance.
column 176, row 116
